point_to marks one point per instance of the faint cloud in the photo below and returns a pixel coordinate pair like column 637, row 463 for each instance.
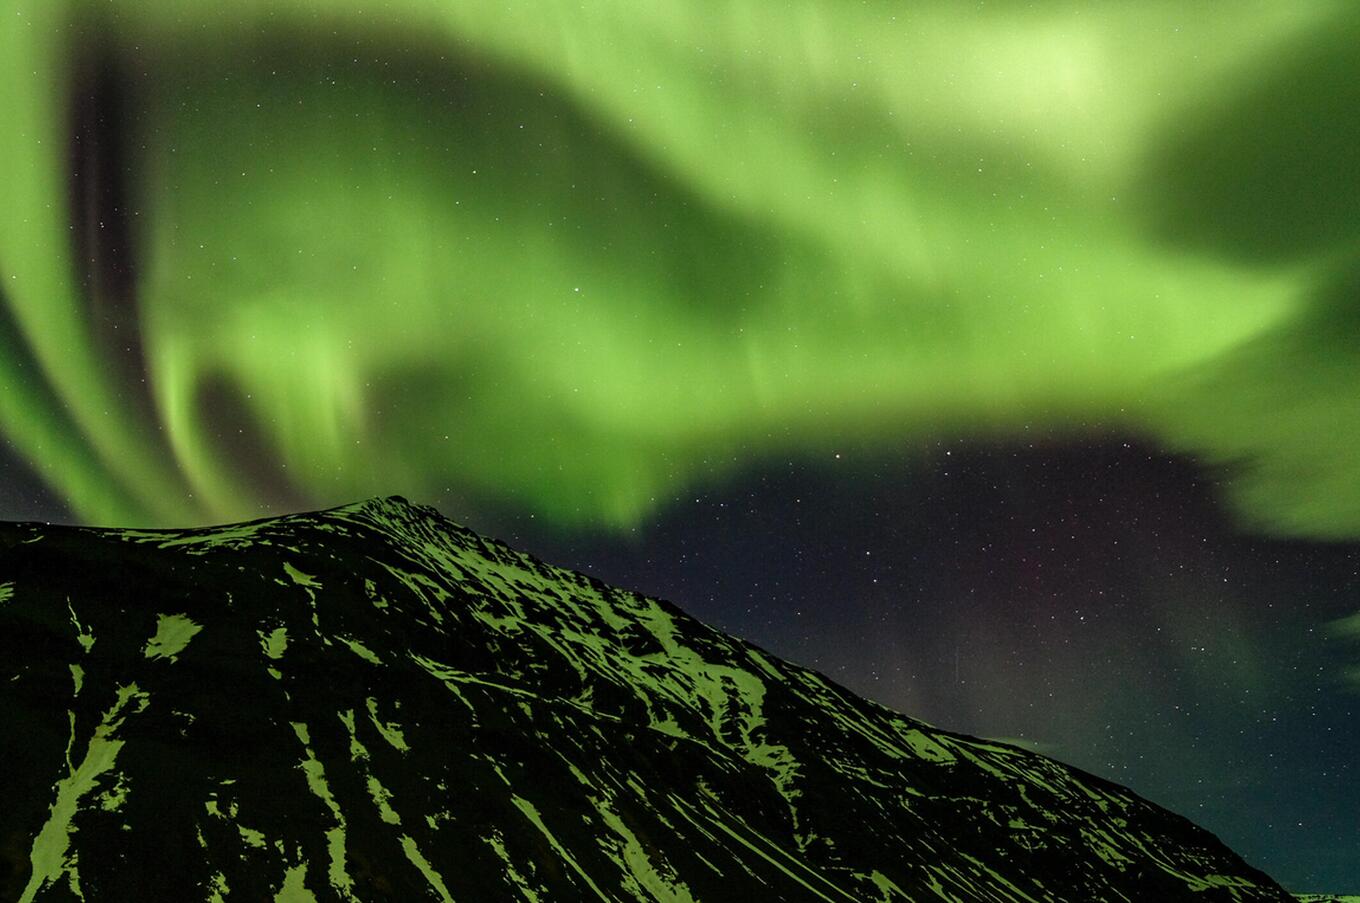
column 1347, row 629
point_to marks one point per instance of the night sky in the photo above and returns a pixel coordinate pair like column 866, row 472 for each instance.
column 999, row 360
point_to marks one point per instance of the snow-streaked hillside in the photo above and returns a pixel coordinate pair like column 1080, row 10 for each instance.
column 372, row 703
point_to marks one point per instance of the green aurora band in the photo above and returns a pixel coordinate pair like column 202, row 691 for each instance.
column 574, row 259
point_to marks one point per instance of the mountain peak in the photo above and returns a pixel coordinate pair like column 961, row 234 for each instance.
column 373, row 703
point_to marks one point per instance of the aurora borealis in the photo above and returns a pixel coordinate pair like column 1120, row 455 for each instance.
column 575, row 267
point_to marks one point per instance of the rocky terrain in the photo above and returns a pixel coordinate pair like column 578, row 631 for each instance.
column 372, row 703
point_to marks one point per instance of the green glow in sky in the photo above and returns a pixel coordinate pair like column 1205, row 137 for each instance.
column 576, row 259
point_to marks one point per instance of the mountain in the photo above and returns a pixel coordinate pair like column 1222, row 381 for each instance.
column 373, row 703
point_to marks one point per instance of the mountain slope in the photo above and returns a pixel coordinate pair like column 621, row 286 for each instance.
column 372, row 703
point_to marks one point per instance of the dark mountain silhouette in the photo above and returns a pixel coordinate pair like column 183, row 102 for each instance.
column 372, row 703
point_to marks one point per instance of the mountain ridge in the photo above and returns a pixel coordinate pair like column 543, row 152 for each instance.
column 373, row 702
